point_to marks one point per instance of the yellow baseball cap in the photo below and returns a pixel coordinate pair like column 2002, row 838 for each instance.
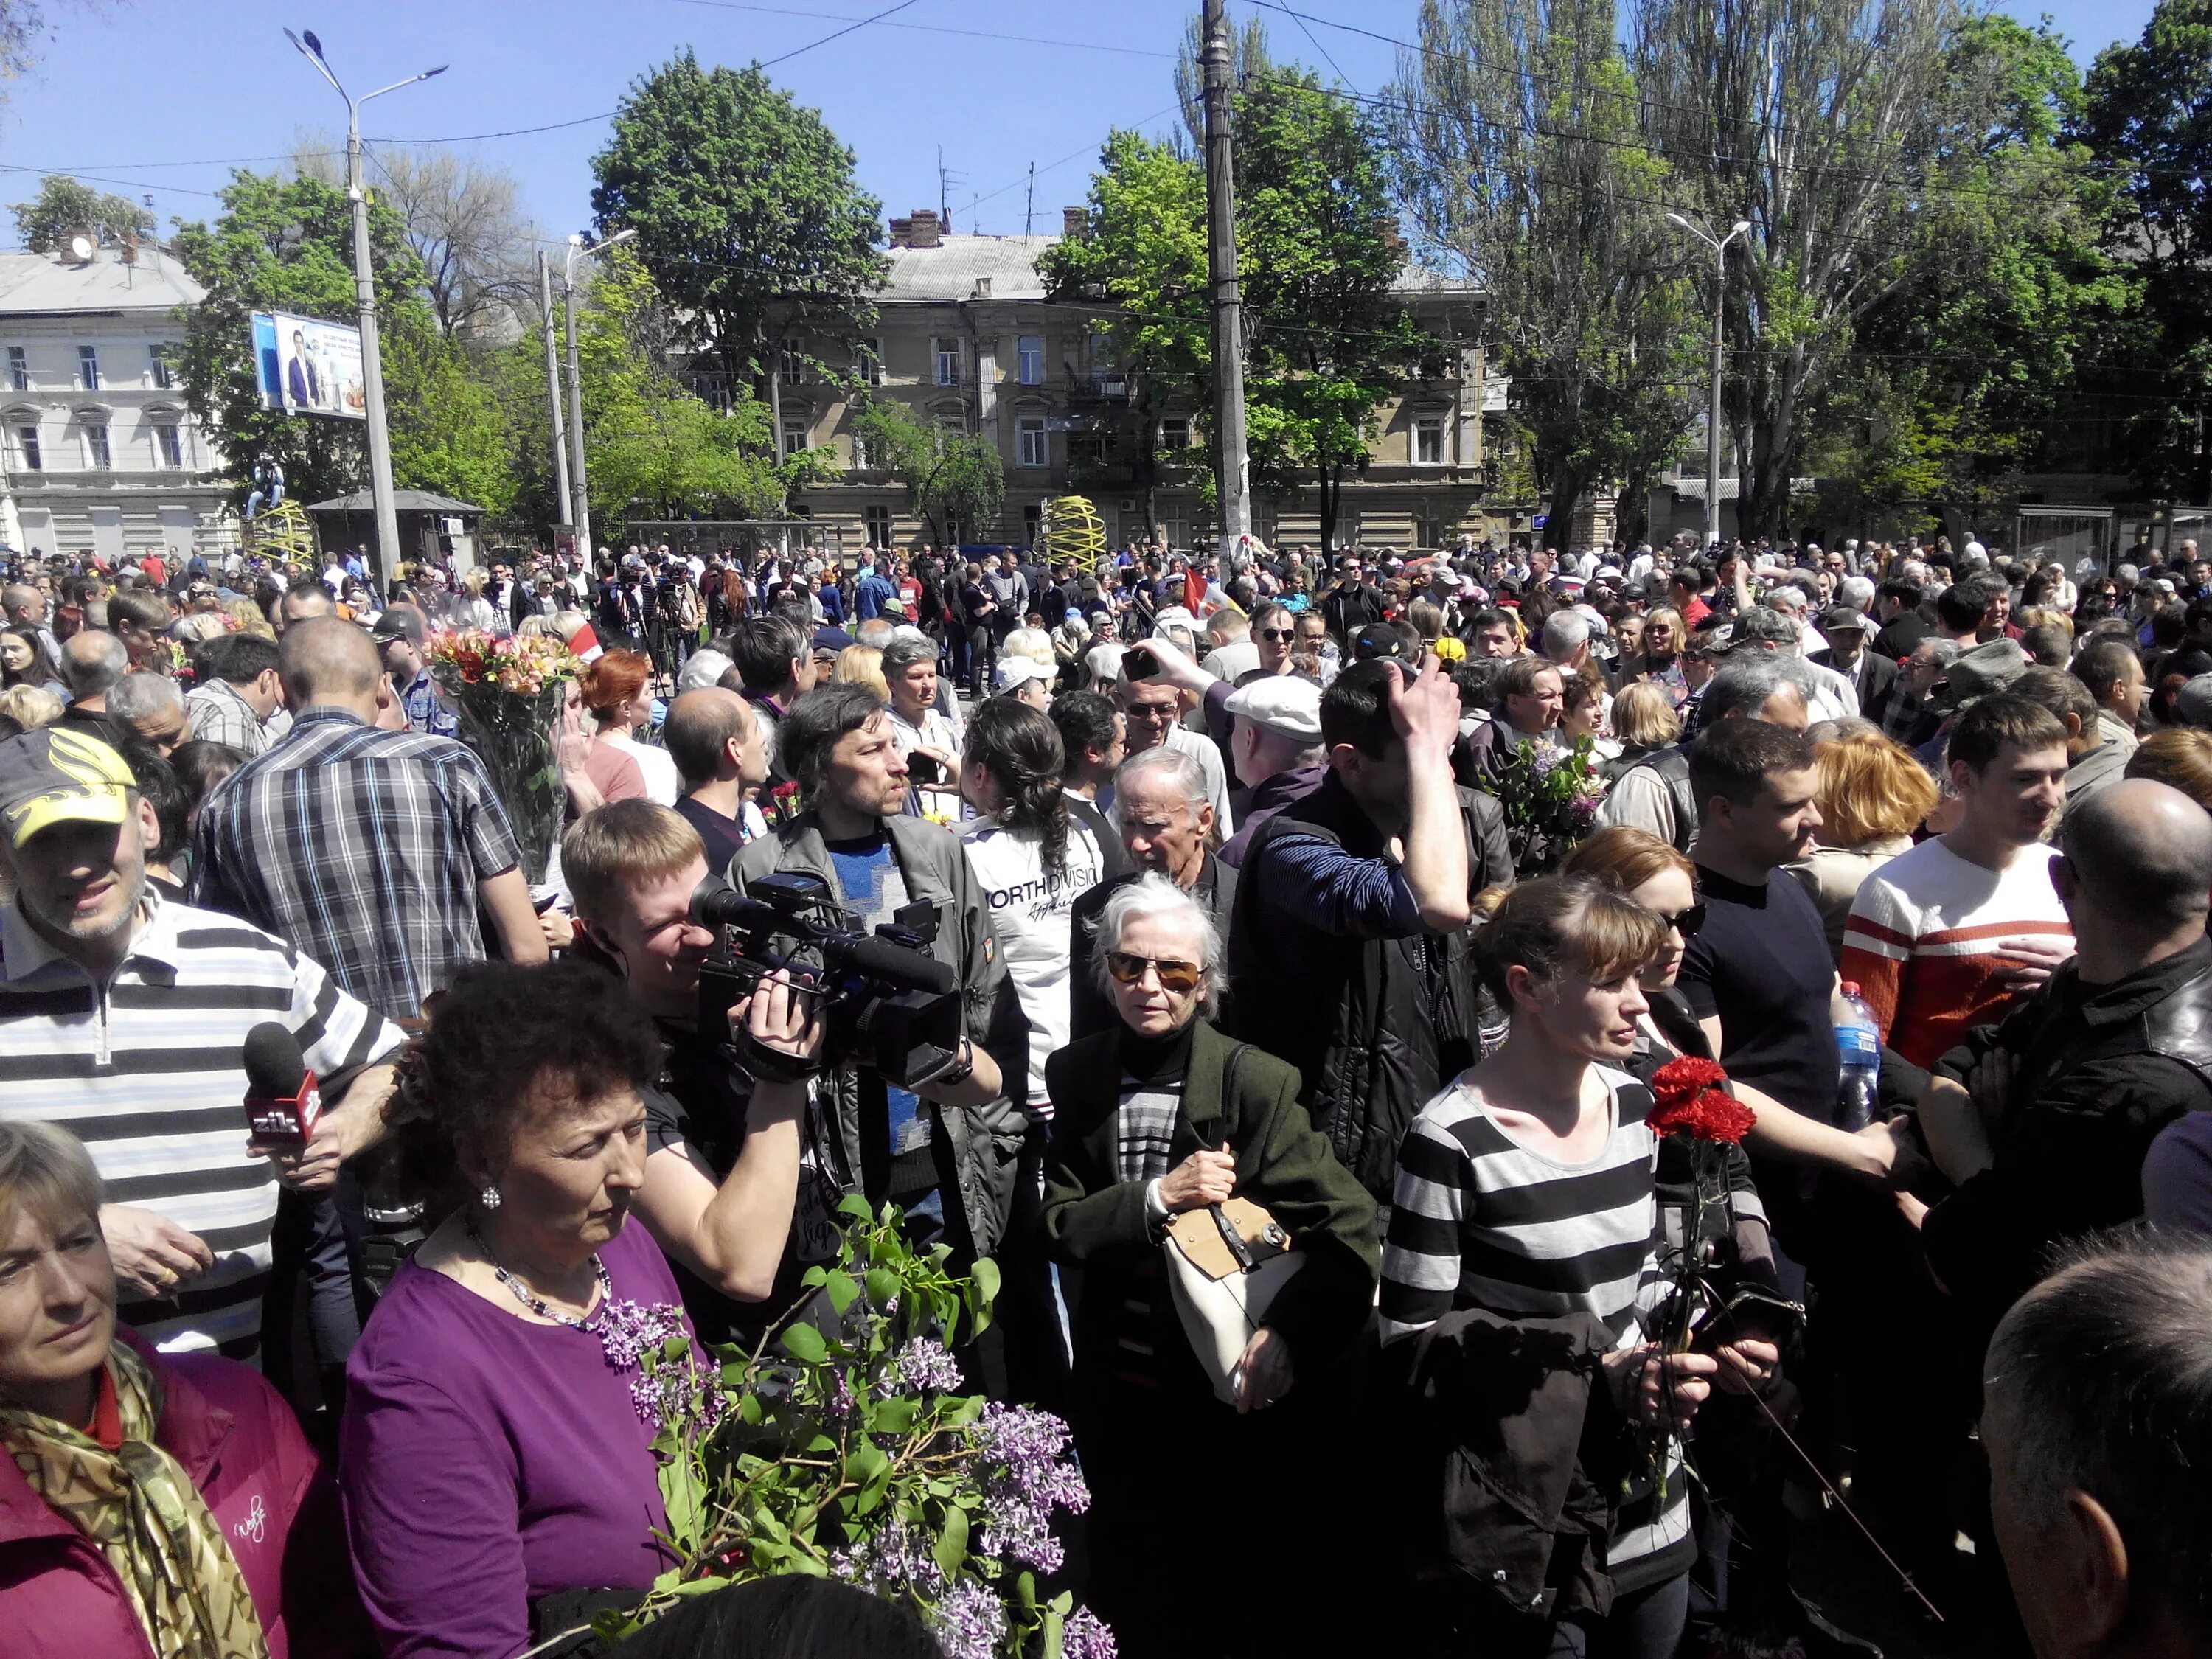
column 58, row 774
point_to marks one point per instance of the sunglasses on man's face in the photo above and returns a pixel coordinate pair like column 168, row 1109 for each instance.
column 1177, row 977
column 1280, row 635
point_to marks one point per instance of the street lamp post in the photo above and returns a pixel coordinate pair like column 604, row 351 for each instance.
column 582, row 512
column 1719, row 246
column 364, row 277
column 564, row 499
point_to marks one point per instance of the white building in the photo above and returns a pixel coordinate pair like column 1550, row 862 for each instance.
column 99, row 451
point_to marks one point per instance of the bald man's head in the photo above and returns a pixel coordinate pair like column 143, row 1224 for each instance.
column 328, row 660
column 2141, row 853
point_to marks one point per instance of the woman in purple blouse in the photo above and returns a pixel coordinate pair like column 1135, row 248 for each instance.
column 496, row 1457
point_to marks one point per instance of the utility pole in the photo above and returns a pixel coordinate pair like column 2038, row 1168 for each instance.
column 387, row 557
column 1228, row 298
column 1719, row 246
column 579, row 487
column 553, row 388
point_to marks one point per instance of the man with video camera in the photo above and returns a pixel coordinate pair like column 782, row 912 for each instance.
column 946, row 1148
column 740, row 1186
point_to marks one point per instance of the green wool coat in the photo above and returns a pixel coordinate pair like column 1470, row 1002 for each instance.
column 1093, row 1219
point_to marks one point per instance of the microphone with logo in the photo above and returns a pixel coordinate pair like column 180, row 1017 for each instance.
column 282, row 1100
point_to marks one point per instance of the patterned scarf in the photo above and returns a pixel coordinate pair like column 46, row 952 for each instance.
column 141, row 1509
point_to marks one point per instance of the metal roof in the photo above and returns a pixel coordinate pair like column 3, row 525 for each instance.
column 949, row 271
column 39, row 282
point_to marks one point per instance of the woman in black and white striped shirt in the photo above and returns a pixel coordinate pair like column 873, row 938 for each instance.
column 1525, row 1189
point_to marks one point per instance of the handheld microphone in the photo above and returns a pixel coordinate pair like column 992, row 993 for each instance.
column 282, row 1100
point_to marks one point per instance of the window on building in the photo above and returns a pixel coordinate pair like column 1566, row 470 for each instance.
column 169, row 445
column 1429, row 440
column 1032, row 522
column 1032, row 443
column 878, row 520
column 950, row 426
column 1085, row 448
column 953, row 534
column 29, row 455
column 1030, row 356
column 794, row 438
column 1175, row 432
column 19, row 368
column 1102, row 356
column 791, row 363
column 95, row 446
column 863, row 456
column 88, row 367
column 870, row 367
column 165, row 372
column 948, row 361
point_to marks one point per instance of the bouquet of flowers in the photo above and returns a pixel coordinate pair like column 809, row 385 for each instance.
column 1551, row 797
column 507, row 692
column 847, row 1448
column 1690, row 1102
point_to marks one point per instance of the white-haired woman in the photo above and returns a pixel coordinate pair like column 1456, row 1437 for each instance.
column 1160, row 1115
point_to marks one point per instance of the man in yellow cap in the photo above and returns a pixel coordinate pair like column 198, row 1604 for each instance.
column 124, row 1016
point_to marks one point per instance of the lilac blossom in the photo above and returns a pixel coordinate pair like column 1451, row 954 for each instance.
column 890, row 1561
column 1086, row 1636
column 926, row 1366
column 1023, row 1479
column 970, row 1621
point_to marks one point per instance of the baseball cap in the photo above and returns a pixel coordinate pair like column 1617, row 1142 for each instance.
column 397, row 622
column 1285, row 704
column 1847, row 616
column 1376, row 642
column 832, row 639
column 58, row 774
column 1020, row 670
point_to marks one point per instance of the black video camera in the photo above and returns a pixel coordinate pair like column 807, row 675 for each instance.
column 890, row 1004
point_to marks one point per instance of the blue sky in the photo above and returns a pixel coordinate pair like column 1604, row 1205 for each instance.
column 157, row 95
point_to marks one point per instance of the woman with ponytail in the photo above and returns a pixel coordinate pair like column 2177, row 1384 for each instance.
column 1032, row 860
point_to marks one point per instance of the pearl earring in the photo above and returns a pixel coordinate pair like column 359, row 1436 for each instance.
column 489, row 1197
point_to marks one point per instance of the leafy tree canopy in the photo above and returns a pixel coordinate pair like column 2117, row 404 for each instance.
column 64, row 208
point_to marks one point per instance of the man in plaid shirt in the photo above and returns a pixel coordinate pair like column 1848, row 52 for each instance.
column 370, row 850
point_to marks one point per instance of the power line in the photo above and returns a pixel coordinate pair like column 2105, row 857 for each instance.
column 838, row 34
column 938, row 28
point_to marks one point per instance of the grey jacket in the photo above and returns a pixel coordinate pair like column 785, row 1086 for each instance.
column 986, row 1140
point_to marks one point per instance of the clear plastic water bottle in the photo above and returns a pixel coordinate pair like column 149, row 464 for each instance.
column 1858, row 1048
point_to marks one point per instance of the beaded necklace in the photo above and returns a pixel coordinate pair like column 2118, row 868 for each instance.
column 536, row 1303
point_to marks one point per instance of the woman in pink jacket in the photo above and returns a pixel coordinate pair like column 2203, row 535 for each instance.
column 151, row 1506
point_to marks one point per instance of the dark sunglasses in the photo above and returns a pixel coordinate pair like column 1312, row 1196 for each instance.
column 1281, row 634
column 1178, row 977
column 1688, row 922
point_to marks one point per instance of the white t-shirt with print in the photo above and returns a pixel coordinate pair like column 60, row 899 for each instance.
column 1030, row 916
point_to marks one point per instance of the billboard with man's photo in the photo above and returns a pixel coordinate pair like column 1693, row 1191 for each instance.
column 308, row 366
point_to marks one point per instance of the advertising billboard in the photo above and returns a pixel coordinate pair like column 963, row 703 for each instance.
column 308, row 366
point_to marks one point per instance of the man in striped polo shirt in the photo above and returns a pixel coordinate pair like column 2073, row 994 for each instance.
column 123, row 1018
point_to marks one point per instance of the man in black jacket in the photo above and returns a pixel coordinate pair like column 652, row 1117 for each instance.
column 1847, row 631
column 1346, row 944
column 2042, row 1122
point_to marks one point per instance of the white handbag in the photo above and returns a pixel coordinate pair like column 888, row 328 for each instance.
column 1225, row 1265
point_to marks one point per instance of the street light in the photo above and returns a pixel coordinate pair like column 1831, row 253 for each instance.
column 1713, row 412
column 581, row 513
column 364, row 278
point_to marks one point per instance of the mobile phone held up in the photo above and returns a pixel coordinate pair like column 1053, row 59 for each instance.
column 1141, row 662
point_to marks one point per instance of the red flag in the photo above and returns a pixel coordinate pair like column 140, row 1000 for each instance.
column 585, row 643
column 1194, row 592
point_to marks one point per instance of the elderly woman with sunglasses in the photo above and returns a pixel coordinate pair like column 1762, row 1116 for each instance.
column 1161, row 1115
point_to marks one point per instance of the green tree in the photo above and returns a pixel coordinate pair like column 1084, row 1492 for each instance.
column 2007, row 295
column 1328, row 337
column 1144, row 254
column 64, row 208
column 746, row 214
column 1820, row 122
column 2147, row 118
column 651, row 443
column 1519, row 160
column 956, row 483
column 449, row 432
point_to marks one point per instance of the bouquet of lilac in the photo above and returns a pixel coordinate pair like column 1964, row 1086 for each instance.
column 1551, row 797
column 849, row 1448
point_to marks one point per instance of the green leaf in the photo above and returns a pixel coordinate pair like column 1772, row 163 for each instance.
column 1055, row 1623
column 893, row 1414
column 1025, row 1592
column 842, row 1291
column 882, row 1286
column 813, row 1277
column 986, row 1275
column 855, row 1207
column 951, row 1546
column 804, row 1344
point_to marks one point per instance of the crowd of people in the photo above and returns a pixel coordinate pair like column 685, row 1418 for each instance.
column 1379, row 900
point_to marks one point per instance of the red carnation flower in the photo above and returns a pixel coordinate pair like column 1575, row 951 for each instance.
column 1689, row 1100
